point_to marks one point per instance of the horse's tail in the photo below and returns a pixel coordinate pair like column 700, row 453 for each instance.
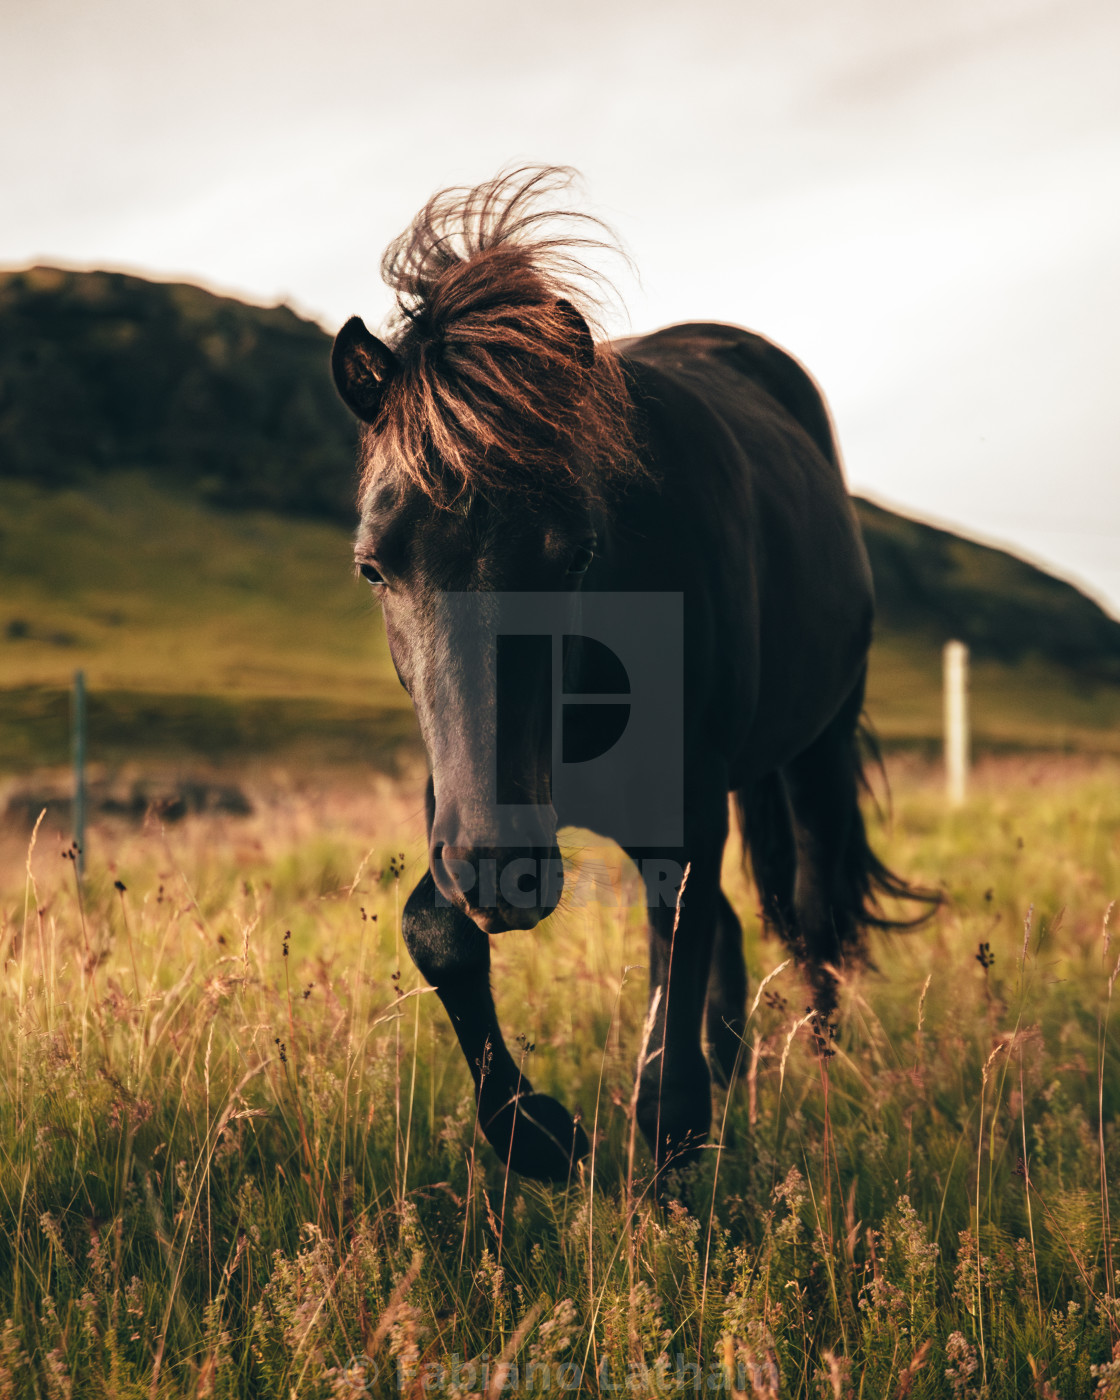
column 868, row 876
column 846, row 885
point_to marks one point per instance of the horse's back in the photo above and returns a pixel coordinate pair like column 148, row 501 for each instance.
column 777, row 503
column 720, row 352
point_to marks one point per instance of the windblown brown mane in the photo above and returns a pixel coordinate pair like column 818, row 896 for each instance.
column 497, row 387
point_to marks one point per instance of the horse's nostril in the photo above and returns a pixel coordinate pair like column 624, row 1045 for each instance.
column 453, row 865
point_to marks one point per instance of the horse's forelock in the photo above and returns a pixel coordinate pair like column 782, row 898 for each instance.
column 494, row 390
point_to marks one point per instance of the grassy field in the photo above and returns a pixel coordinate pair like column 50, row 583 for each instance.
column 238, row 1153
column 209, row 634
column 152, row 591
column 203, row 633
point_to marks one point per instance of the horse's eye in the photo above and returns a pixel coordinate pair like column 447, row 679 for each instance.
column 370, row 574
column 581, row 560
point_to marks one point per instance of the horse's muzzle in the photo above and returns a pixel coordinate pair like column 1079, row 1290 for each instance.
column 500, row 888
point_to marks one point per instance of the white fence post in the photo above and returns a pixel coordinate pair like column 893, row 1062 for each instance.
column 956, row 721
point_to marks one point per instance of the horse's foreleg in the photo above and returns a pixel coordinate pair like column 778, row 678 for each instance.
column 531, row 1132
column 674, row 1091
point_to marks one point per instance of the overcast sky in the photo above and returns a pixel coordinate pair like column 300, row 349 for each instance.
column 920, row 200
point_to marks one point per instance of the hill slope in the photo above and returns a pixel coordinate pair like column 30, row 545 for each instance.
column 134, row 414
column 938, row 585
column 101, row 371
column 202, row 631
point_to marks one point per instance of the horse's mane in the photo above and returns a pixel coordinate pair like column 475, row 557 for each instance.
column 497, row 388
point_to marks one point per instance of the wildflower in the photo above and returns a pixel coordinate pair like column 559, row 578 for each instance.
column 1107, row 1373
column 490, row 1276
column 963, row 1363
column 49, row 1226
column 60, row 1386
column 87, row 1306
column 13, row 1359
column 554, row 1336
column 912, row 1245
column 792, row 1191
column 348, row 1381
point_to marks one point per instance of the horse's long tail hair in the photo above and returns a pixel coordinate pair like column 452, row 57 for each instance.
column 857, row 881
column 853, row 881
column 876, row 878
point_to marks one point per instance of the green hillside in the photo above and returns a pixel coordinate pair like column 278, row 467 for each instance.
column 176, row 483
column 202, row 631
column 936, row 585
column 101, row 371
column 1045, row 659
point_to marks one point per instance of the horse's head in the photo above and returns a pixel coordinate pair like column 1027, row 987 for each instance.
column 483, row 695
column 491, row 422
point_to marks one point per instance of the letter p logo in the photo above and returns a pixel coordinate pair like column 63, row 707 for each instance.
column 614, row 707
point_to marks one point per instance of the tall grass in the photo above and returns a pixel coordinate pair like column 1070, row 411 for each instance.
column 239, row 1156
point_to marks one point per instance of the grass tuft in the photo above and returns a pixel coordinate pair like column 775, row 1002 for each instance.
column 240, row 1156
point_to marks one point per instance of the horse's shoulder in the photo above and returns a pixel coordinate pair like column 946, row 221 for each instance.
column 721, row 354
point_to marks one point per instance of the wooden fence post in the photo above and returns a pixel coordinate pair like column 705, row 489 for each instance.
column 956, row 722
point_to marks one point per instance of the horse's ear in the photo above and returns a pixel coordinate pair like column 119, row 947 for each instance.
column 362, row 366
column 581, row 334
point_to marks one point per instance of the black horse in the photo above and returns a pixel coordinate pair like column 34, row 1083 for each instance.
column 684, row 488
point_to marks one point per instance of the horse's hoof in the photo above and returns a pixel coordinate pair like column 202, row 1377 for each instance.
column 542, row 1141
